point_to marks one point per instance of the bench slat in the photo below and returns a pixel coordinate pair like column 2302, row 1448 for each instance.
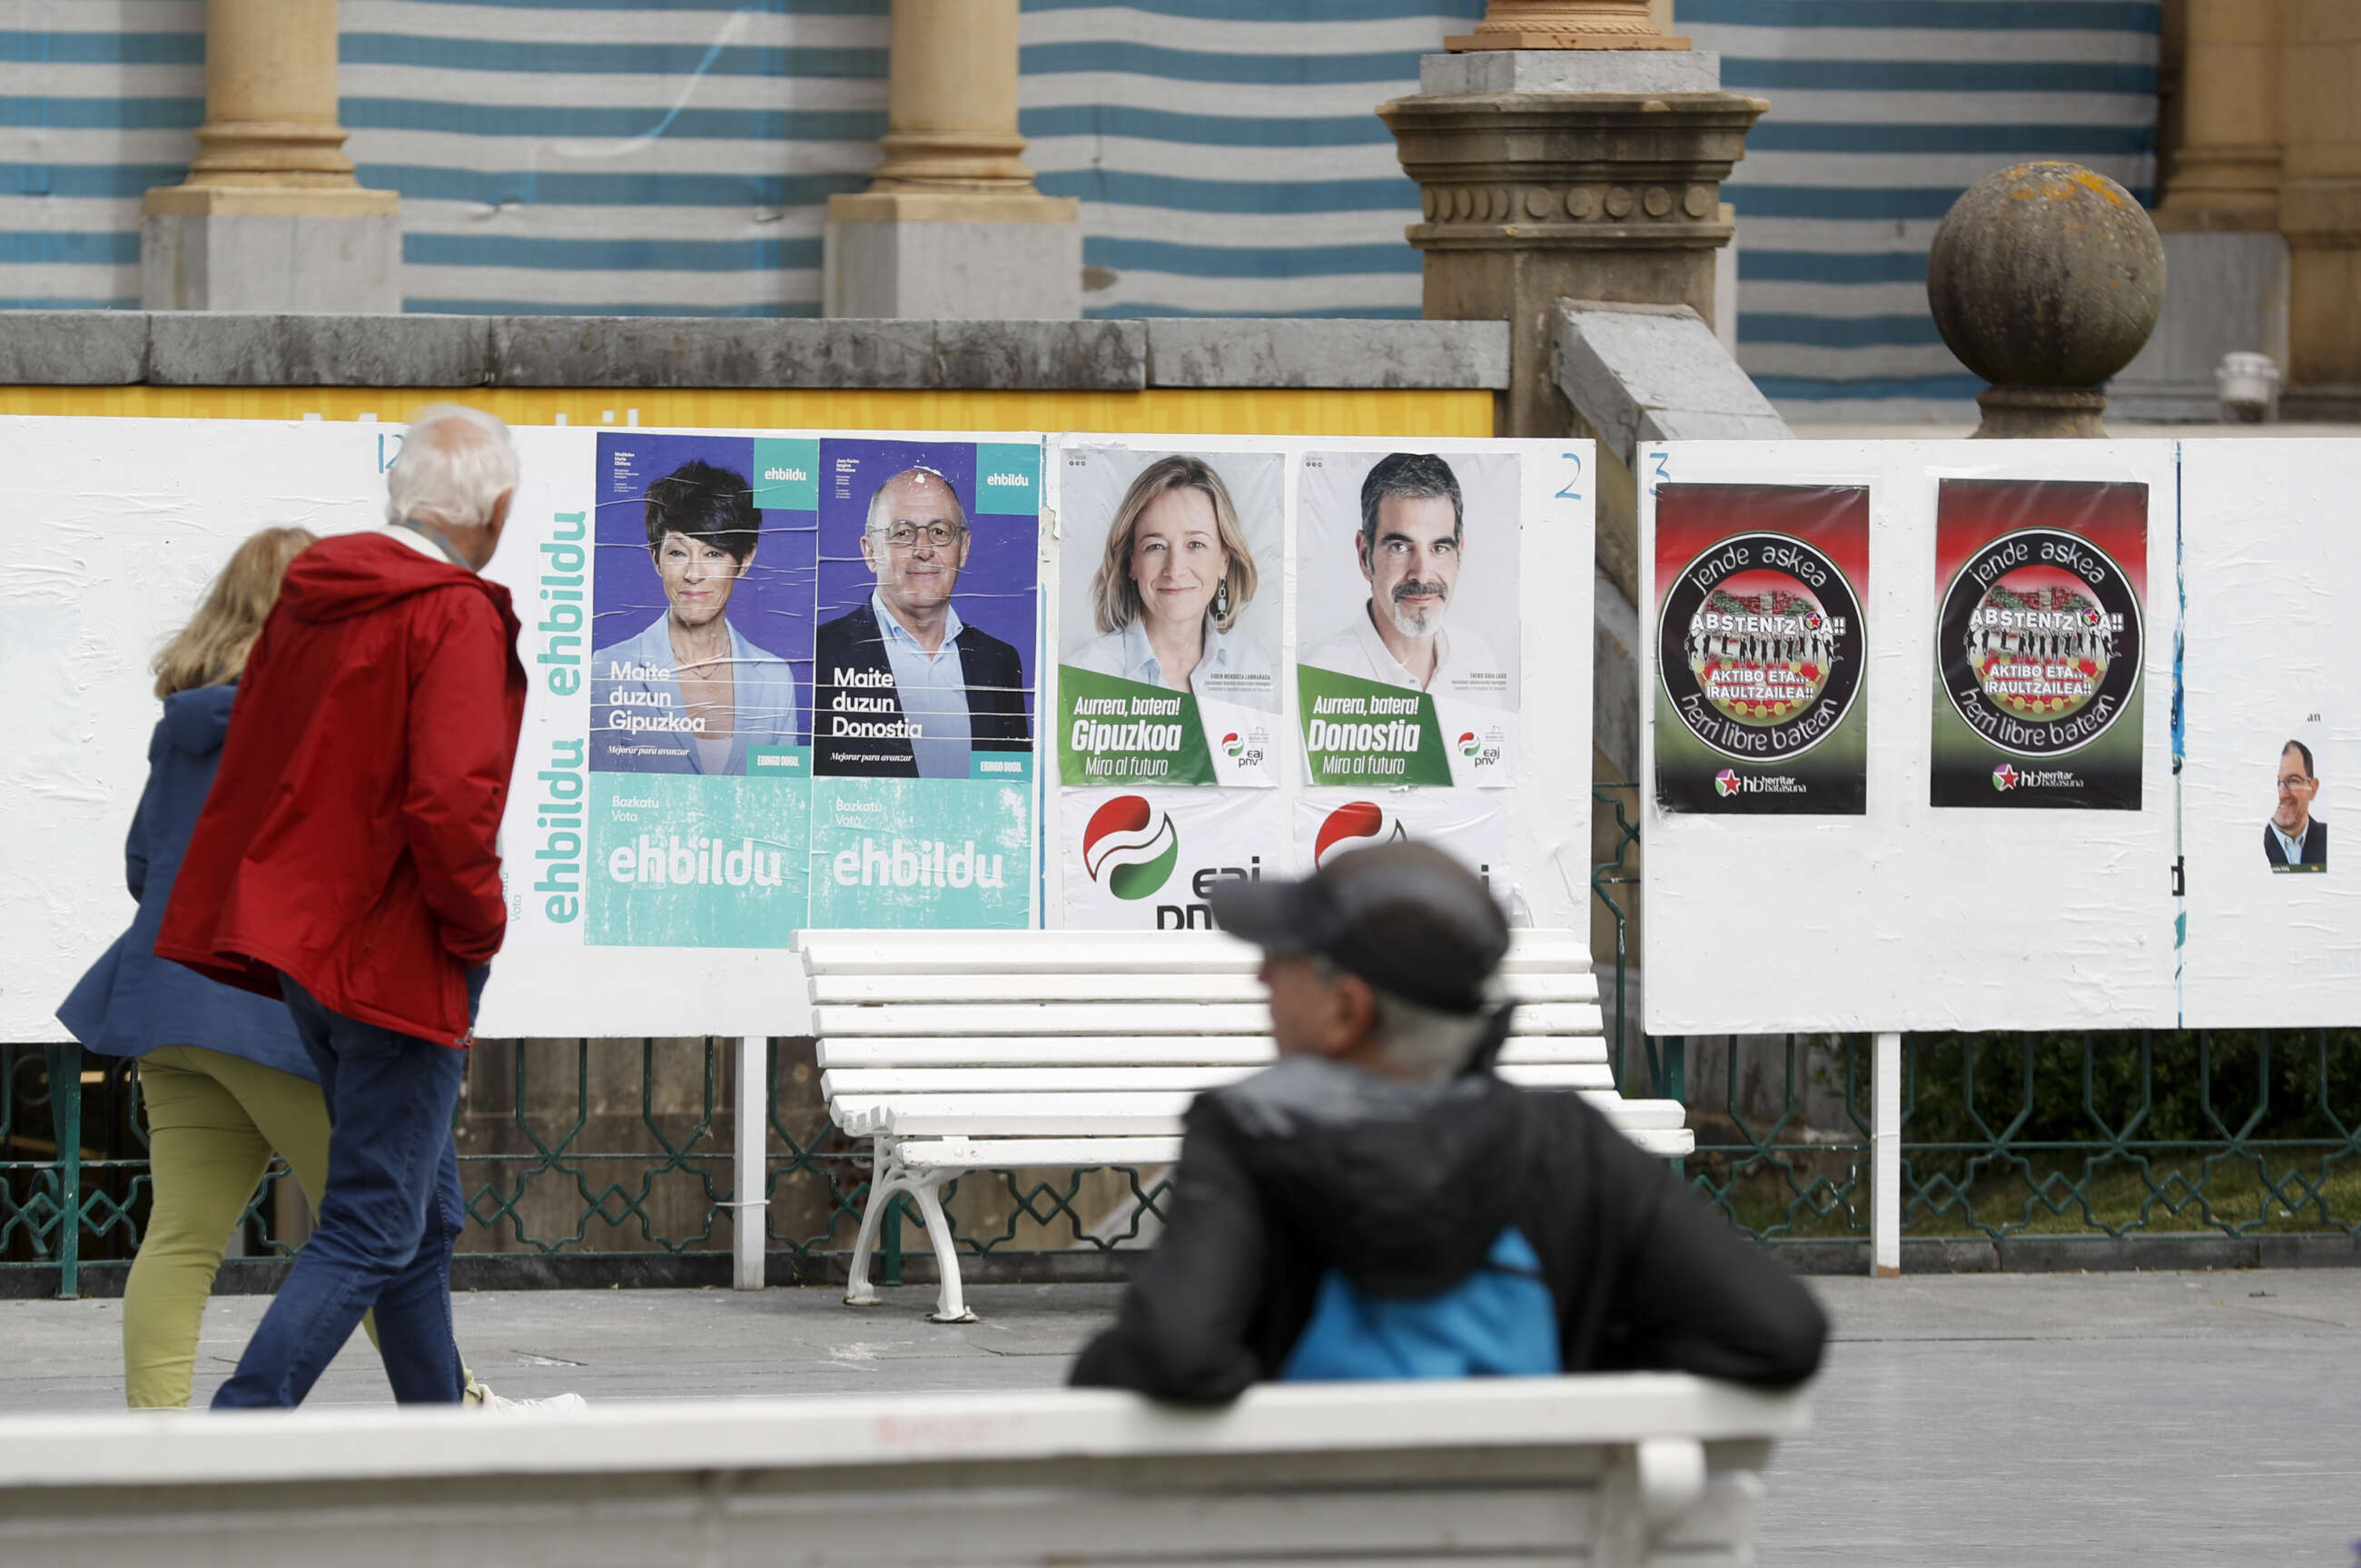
column 1122, row 1018
column 1002, row 952
column 1115, row 1115
column 1132, row 1050
column 985, row 1154
column 894, row 1080
column 1070, row 986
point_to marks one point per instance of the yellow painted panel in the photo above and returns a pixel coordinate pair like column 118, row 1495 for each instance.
column 1439, row 415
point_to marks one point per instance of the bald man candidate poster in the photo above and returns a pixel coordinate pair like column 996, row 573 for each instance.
column 924, row 661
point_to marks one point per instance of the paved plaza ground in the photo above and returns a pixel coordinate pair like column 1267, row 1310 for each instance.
column 2027, row 1419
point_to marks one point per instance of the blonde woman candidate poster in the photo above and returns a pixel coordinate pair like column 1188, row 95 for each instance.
column 701, row 646
column 1406, row 598
column 1170, row 612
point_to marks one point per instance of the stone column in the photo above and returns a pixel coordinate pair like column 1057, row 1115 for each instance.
column 952, row 225
column 1568, row 24
column 2320, row 206
column 270, row 218
column 2224, row 175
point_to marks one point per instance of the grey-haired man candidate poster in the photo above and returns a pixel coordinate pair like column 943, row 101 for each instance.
column 1406, row 606
column 700, row 638
column 1170, row 600
column 922, row 697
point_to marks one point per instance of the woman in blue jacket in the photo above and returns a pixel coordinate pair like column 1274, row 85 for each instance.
column 225, row 1078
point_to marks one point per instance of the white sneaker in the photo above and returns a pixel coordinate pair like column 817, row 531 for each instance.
column 556, row 1405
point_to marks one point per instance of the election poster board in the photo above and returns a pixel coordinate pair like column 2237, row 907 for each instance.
column 2040, row 641
column 1407, row 669
column 2271, row 733
column 1146, row 860
column 1172, row 602
column 1915, row 914
column 1759, row 667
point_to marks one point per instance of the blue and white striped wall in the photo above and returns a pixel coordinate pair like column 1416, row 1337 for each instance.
column 598, row 156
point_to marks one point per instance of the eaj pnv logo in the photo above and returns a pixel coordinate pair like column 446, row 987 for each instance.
column 1759, row 647
column 1130, row 846
column 2039, row 642
column 1350, row 826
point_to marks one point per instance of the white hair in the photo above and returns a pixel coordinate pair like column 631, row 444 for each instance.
column 1417, row 1041
column 454, row 462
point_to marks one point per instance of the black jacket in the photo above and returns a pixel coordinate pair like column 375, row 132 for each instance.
column 1313, row 1164
column 998, row 711
column 2315, row 846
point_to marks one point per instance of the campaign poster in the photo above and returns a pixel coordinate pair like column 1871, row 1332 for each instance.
column 1407, row 617
column 2295, row 839
column 1760, row 641
column 2039, row 640
column 1472, row 828
column 1169, row 605
column 1146, row 860
column 700, row 643
column 923, row 677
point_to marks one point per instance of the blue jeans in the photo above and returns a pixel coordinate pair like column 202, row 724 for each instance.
column 387, row 1223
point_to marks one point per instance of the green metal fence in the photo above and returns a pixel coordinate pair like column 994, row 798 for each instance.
column 582, row 1151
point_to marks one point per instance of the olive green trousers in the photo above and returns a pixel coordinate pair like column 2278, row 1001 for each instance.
column 214, row 1121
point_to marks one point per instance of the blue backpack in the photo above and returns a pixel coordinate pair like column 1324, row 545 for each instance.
column 1499, row 1321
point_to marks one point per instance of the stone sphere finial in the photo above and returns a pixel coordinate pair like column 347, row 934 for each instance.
column 2045, row 280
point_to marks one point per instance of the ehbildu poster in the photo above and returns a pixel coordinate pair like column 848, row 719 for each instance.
column 811, row 687
column 1146, row 859
column 1171, row 595
column 700, row 643
column 1758, row 656
column 1407, row 622
column 2039, row 638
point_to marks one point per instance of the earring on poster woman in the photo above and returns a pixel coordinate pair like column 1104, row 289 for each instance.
column 1222, row 601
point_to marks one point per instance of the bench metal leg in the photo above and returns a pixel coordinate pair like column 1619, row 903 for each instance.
column 885, row 1181
column 951, row 1305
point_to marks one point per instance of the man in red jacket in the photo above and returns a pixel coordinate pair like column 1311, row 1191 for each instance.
column 345, row 860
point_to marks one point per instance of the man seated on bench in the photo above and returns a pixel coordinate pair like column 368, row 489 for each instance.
column 1380, row 1205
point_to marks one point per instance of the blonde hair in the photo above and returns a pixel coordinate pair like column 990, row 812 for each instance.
column 1114, row 598
column 212, row 648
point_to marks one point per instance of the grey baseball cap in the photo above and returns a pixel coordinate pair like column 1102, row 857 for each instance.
column 1406, row 917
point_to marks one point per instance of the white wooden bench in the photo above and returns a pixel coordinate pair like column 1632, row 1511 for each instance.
column 960, row 1051
column 1617, row 1472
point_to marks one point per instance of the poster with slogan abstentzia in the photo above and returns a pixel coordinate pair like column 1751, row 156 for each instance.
column 1760, row 649
column 1470, row 826
column 2040, row 637
column 1407, row 627
column 700, row 645
column 1170, row 611
column 1144, row 859
column 925, row 656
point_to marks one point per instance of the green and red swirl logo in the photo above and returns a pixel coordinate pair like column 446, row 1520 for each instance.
column 1130, row 846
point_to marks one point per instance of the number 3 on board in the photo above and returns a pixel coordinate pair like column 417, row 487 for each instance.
column 1569, row 493
column 1662, row 475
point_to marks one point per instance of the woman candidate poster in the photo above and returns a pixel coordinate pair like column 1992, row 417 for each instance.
column 1760, row 641
column 1171, row 601
column 700, row 643
column 1406, row 603
column 2039, row 638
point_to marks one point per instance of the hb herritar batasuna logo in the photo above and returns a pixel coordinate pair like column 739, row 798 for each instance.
column 1759, row 647
column 2039, row 643
column 1129, row 847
